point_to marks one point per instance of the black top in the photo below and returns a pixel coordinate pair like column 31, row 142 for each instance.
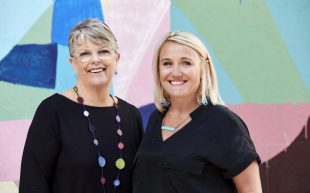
column 202, row 157
column 59, row 154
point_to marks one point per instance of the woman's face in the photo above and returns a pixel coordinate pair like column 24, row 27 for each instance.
column 94, row 63
column 179, row 70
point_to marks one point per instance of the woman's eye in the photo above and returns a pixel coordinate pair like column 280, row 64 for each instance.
column 166, row 64
column 84, row 54
column 187, row 63
column 104, row 52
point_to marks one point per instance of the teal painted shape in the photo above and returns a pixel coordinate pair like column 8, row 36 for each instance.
column 292, row 21
column 163, row 127
column 65, row 78
column 179, row 22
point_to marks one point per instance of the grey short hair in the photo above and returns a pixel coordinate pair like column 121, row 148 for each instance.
column 92, row 29
column 208, row 88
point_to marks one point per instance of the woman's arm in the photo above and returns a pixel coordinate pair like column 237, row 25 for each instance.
column 40, row 152
column 248, row 181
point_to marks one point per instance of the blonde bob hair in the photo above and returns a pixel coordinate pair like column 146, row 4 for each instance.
column 208, row 91
column 94, row 30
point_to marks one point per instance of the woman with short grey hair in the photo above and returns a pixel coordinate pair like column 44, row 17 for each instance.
column 84, row 140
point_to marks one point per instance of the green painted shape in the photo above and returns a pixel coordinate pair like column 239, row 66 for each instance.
column 20, row 102
column 249, row 47
column 40, row 32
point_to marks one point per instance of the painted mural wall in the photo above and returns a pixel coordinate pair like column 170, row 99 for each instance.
column 261, row 51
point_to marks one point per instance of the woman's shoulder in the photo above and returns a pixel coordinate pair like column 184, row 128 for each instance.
column 126, row 106
column 221, row 111
column 221, row 116
column 54, row 99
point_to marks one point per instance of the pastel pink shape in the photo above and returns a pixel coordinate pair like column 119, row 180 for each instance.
column 140, row 91
column 12, row 139
column 137, row 26
column 273, row 127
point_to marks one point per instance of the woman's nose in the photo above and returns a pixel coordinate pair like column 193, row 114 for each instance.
column 177, row 71
column 95, row 57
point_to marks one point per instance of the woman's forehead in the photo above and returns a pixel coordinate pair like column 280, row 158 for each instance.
column 170, row 48
column 90, row 42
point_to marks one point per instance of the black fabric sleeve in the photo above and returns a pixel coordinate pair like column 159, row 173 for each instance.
column 234, row 150
column 155, row 115
column 40, row 151
column 140, row 124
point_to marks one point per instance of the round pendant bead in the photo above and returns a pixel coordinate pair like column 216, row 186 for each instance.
column 96, row 142
column 80, row 100
column 118, row 119
column 116, row 182
column 120, row 145
column 101, row 161
column 119, row 132
column 120, row 163
column 86, row 113
column 102, row 180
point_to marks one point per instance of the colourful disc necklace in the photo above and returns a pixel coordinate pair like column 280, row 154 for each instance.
column 119, row 163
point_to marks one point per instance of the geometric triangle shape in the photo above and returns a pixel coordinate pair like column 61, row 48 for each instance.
column 16, row 19
column 229, row 93
column 40, row 32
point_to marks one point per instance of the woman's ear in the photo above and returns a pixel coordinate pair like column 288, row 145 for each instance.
column 118, row 56
column 73, row 64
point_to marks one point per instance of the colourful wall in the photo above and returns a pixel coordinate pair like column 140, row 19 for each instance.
column 261, row 50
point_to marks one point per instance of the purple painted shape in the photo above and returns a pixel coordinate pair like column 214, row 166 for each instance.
column 32, row 65
column 12, row 139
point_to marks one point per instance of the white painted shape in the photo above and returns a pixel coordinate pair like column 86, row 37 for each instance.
column 8, row 187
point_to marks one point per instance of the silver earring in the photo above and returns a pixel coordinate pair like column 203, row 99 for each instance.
column 205, row 102
column 165, row 103
column 115, row 72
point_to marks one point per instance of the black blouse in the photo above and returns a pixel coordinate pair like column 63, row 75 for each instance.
column 59, row 154
column 202, row 157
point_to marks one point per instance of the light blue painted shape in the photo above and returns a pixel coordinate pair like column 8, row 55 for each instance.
column 16, row 18
column 65, row 78
column 229, row 93
column 292, row 19
column 69, row 13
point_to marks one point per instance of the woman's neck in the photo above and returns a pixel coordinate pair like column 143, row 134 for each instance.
column 181, row 106
column 95, row 95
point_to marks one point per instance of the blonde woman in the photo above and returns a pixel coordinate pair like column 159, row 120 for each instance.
column 193, row 143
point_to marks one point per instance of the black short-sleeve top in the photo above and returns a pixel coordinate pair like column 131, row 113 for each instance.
column 60, row 156
column 202, row 157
